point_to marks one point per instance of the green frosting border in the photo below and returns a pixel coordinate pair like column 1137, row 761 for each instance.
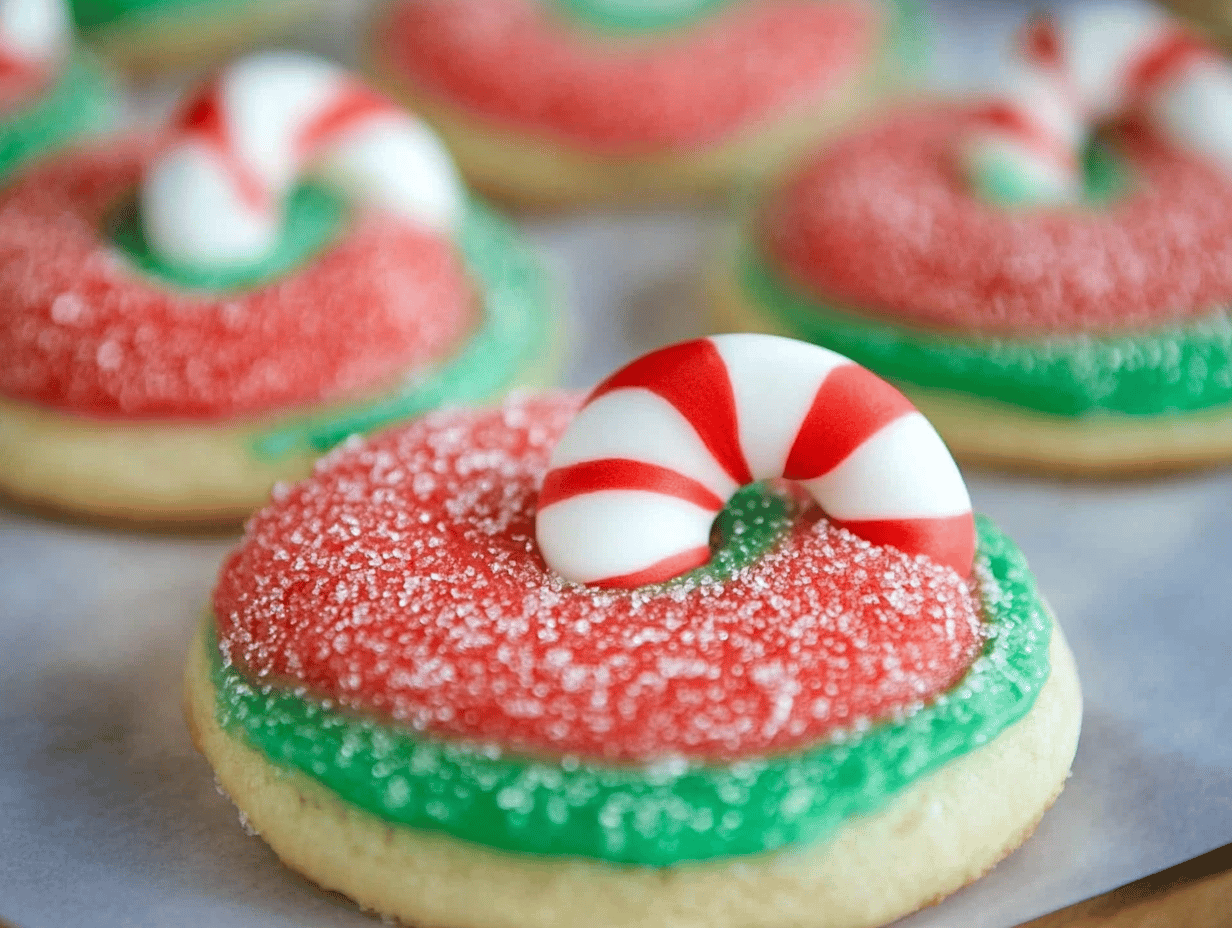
column 1106, row 176
column 91, row 15
column 909, row 22
column 513, row 337
column 667, row 813
column 313, row 219
column 83, row 100
column 1169, row 370
column 638, row 15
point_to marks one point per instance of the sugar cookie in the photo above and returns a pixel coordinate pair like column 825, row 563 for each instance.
column 413, row 708
column 186, row 323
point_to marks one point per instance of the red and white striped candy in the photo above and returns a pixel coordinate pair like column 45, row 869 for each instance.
column 34, row 35
column 215, row 197
column 660, row 446
column 1103, row 61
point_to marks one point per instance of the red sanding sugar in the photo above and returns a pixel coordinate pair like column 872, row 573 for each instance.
column 883, row 223
column 516, row 62
column 403, row 580
column 84, row 331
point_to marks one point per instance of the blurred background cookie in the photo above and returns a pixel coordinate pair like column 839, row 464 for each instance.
column 187, row 322
column 577, row 101
column 1047, row 274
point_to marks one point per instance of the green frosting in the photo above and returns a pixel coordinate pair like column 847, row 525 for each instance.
column 909, row 35
column 514, row 334
column 313, row 219
column 94, row 14
column 1105, row 176
column 908, row 20
column 83, row 100
column 1172, row 369
column 638, row 15
column 664, row 813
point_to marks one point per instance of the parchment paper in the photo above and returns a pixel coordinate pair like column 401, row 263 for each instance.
column 108, row 817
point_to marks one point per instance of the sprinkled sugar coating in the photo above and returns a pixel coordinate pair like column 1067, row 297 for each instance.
column 85, row 331
column 517, row 62
column 403, row 581
column 883, row 223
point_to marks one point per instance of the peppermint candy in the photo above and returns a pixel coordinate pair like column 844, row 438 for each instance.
column 660, row 446
column 215, row 196
column 1099, row 62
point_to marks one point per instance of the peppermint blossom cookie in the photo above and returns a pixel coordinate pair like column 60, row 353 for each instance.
column 186, row 323
column 50, row 93
column 1051, row 296
column 558, row 102
column 547, row 666
column 163, row 35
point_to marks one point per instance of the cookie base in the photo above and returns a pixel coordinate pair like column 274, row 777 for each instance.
column 986, row 432
column 940, row 834
column 155, row 42
column 152, row 474
column 534, row 171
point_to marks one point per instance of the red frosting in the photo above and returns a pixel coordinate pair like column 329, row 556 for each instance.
column 20, row 85
column 518, row 62
column 84, row 331
column 883, row 223
column 403, row 580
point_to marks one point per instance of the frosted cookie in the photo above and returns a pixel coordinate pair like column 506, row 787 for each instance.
column 1051, row 296
column 50, row 93
column 164, row 35
column 186, row 322
column 543, row 666
column 570, row 101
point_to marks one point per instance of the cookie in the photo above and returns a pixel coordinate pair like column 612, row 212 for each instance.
column 1052, row 296
column 187, row 322
column 475, row 672
column 578, row 101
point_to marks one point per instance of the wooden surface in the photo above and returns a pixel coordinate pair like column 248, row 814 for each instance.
column 1195, row 894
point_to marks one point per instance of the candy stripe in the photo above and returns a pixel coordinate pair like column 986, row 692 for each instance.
column 667, row 438
column 830, row 432
column 1017, row 125
column 660, row 571
column 948, row 538
column 629, row 500
column 202, row 117
column 1103, row 62
column 699, row 388
column 215, row 197
column 902, row 471
column 642, row 530
column 619, row 474
column 1167, row 59
column 350, row 107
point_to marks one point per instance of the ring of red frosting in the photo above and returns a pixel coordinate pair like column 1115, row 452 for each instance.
column 403, row 580
column 86, row 332
column 517, row 62
column 883, row 223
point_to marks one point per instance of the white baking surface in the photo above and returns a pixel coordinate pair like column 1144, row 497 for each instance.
column 109, row 818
